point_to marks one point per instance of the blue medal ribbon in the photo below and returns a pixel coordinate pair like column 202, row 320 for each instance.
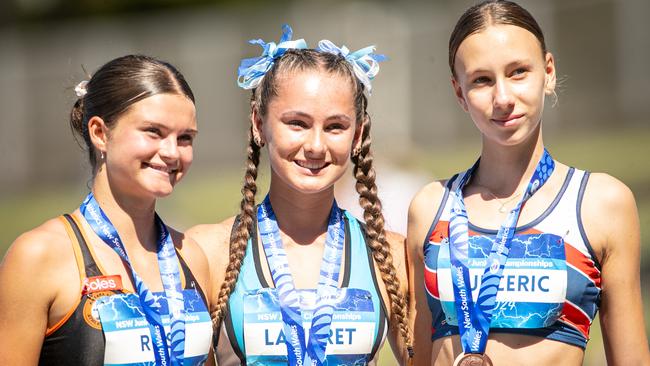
column 474, row 319
column 299, row 350
column 169, row 274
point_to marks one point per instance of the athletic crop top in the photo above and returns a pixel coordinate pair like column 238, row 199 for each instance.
column 81, row 339
column 252, row 332
column 551, row 282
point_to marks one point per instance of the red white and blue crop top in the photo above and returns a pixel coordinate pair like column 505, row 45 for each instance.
column 551, row 283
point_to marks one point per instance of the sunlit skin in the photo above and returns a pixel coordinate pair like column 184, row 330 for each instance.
column 501, row 79
column 310, row 129
column 146, row 153
column 150, row 150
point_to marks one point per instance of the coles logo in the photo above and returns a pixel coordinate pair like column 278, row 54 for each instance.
column 101, row 283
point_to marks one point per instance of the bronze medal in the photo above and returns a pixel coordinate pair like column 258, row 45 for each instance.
column 472, row 359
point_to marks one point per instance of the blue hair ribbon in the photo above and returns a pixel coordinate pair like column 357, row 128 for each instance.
column 252, row 70
column 364, row 62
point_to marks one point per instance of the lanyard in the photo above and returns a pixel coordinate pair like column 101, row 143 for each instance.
column 474, row 318
column 300, row 351
column 169, row 274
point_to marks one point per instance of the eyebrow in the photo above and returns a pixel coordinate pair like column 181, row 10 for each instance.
column 521, row 62
column 163, row 127
column 338, row 116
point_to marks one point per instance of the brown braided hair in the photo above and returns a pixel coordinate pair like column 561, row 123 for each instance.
column 372, row 214
column 300, row 60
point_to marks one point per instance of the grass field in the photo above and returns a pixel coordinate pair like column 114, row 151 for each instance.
column 211, row 197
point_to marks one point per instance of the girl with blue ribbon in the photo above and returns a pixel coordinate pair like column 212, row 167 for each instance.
column 520, row 251
column 305, row 291
column 111, row 283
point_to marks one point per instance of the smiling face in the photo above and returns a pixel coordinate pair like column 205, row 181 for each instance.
column 310, row 129
column 501, row 79
column 150, row 148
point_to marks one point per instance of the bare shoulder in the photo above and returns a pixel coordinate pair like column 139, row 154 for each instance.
column 608, row 192
column 42, row 245
column 422, row 211
column 47, row 248
column 608, row 211
column 212, row 238
column 427, row 200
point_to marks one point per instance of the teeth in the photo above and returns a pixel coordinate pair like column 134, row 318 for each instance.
column 311, row 164
column 163, row 169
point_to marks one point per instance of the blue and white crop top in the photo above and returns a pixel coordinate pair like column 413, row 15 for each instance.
column 551, row 283
column 252, row 332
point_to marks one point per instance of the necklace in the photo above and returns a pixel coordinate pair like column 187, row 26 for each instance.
column 503, row 202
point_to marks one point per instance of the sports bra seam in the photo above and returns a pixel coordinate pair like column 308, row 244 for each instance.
column 441, row 209
column 581, row 228
column 383, row 318
column 82, row 273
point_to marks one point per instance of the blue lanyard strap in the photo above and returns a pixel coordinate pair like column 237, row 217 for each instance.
column 300, row 351
column 474, row 318
column 169, row 274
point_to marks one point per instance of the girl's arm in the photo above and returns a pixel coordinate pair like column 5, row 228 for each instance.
column 612, row 226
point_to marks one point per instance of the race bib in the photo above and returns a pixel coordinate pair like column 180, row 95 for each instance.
column 127, row 334
column 532, row 290
column 352, row 332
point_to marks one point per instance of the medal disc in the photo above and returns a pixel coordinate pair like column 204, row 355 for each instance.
column 472, row 359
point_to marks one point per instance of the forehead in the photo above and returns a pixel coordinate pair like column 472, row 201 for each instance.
column 173, row 110
column 313, row 88
column 497, row 43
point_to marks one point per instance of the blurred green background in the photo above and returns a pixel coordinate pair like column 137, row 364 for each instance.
column 419, row 133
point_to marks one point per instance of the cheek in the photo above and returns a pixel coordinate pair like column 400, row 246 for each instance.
column 187, row 155
column 479, row 101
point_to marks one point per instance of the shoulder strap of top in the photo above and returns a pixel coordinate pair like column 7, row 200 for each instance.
column 85, row 261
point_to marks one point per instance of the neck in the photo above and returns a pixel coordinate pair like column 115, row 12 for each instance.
column 504, row 169
column 133, row 217
column 303, row 217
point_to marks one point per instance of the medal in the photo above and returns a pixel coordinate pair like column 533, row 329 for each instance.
column 472, row 359
column 303, row 350
column 169, row 349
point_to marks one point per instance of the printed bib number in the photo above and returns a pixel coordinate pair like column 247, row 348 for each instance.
column 128, row 336
column 532, row 289
column 352, row 332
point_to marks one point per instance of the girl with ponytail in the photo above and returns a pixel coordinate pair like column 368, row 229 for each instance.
column 110, row 283
column 304, row 281
column 515, row 256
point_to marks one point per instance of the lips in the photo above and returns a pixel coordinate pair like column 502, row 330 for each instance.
column 312, row 165
column 507, row 121
column 161, row 168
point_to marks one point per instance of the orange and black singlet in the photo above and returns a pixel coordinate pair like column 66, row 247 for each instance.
column 78, row 338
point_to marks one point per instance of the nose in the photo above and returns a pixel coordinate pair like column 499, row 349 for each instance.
column 169, row 148
column 315, row 145
column 503, row 97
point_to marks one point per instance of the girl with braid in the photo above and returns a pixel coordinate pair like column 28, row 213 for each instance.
column 305, row 282
column 515, row 256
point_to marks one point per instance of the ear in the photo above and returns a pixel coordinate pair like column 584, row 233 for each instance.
column 98, row 133
column 550, row 78
column 256, row 125
column 459, row 93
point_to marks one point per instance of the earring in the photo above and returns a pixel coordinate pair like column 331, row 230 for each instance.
column 101, row 155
